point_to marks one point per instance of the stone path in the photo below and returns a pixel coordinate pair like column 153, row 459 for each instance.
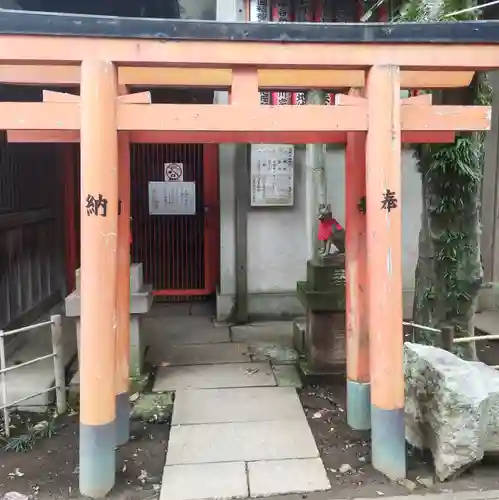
column 238, row 427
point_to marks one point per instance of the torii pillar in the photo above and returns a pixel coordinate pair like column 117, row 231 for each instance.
column 123, row 294
column 384, row 270
column 99, row 228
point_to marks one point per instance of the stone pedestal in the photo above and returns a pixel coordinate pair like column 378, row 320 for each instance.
column 323, row 296
column 140, row 303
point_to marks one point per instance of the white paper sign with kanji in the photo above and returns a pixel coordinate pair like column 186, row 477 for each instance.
column 172, row 198
column 272, row 175
column 174, row 172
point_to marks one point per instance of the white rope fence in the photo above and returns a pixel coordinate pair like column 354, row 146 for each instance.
column 59, row 375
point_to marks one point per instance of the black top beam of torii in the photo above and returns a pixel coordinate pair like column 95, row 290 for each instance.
column 58, row 24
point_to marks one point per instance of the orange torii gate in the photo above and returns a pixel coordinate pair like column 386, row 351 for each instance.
column 101, row 51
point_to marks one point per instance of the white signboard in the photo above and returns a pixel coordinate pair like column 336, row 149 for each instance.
column 172, row 198
column 272, row 175
column 174, row 172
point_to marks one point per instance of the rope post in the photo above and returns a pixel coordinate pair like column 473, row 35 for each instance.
column 3, row 381
column 447, row 337
column 60, row 376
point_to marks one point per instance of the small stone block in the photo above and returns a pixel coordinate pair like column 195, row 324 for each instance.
column 279, row 477
column 242, row 441
column 174, row 378
column 299, row 334
column 254, row 404
column 204, row 481
column 136, row 277
column 287, row 376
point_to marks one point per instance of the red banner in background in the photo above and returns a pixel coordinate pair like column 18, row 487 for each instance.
column 282, row 11
column 259, row 11
column 325, row 11
column 304, row 13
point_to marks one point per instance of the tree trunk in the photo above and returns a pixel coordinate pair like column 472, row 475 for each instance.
column 449, row 270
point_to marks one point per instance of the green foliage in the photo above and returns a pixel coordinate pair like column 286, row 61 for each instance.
column 25, row 442
column 20, row 444
column 452, row 174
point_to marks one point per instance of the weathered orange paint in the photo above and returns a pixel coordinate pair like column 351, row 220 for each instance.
column 384, row 238
column 186, row 137
column 99, row 176
column 54, row 50
column 357, row 340
column 212, row 217
column 416, row 100
column 68, row 178
column 137, row 98
column 123, row 269
column 51, row 96
column 60, row 136
column 221, row 78
column 244, row 89
column 39, row 116
column 355, row 100
column 242, row 118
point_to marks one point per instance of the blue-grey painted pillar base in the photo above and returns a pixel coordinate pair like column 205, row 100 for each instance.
column 122, row 418
column 97, row 459
column 388, row 442
column 359, row 405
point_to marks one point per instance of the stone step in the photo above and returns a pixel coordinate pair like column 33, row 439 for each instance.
column 222, row 376
column 254, row 404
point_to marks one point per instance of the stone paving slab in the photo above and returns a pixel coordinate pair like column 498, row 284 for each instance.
column 261, row 404
column 287, row 376
column 204, row 481
column 278, row 477
column 177, row 378
column 200, row 354
column 247, row 441
column 164, row 332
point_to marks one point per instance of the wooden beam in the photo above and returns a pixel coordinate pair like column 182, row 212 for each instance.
column 417, row 100
column 137, row 98
column 51, row 96
column 322, row 120
column 173, row 53
column 441, row 118
column 354, row 100
column 31, row 74
column 155, row 137
column 39, row 116
column 244, row 89
column 318, row 119
column 221, row 78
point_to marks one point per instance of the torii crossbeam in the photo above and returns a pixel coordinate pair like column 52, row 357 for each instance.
column 104, row 56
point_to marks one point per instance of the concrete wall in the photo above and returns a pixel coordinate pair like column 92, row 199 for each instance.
column 198, row 9
column 277, row 249
column 276, row 237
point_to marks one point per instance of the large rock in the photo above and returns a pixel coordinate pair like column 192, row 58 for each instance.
column 451, row 407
